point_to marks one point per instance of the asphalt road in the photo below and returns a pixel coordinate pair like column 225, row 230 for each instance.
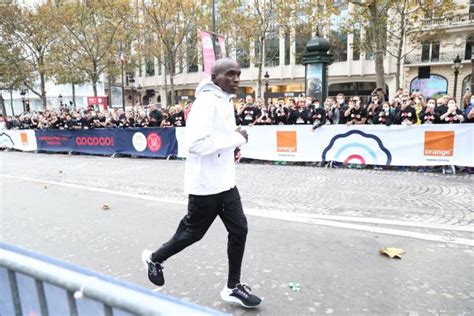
column 318, row 227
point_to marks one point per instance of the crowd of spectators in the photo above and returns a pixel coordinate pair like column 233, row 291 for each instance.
column 404, row 109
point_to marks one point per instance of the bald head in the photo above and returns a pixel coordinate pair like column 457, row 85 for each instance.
column 226, row 74
column 222, row 65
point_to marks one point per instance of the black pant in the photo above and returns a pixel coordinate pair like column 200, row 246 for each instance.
column 202, row 210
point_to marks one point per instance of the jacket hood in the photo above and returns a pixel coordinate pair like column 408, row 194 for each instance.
column 207, row 85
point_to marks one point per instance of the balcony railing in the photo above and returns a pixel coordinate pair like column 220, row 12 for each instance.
column 446, row 58
column 449, row 21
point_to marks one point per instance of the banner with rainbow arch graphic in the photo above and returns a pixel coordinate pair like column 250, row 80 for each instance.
column 418, row 145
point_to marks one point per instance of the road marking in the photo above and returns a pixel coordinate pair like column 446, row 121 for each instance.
column 322, row 220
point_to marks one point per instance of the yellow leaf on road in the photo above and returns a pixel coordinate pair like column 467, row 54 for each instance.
column 392, row 252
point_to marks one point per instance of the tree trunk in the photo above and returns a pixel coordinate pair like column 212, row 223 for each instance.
column 2, row 104
column 379, row 49
column 400, row 46
column 173, row 98
column 43, row 90
column 74, row 95
column 94, row 86
column 11, row 102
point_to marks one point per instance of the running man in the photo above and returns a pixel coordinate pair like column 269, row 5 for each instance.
column 213, row 143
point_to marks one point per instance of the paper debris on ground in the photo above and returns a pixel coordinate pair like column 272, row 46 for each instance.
column 295, row 287
column 392, row 252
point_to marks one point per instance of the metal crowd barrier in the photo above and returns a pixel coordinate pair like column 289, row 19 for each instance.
column 33, row 284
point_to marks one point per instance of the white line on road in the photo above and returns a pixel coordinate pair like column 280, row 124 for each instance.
column 323, row 220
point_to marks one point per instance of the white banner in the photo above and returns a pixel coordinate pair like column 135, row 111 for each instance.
column 24, row 140
column 419, row 145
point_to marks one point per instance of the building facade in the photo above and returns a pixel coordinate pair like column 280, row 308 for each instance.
column 431, row 67
column 352, row 72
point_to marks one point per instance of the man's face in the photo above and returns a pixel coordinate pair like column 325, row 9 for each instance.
column 375, row 99
column 228, row 79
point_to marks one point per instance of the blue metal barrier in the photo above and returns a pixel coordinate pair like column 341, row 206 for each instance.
column 33, row 284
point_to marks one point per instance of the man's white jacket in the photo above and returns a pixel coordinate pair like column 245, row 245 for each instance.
column 210, row 142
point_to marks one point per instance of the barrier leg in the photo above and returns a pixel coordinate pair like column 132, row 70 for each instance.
column 15, row 292
column 42, row 298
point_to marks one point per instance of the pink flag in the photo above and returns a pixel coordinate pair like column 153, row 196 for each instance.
column 207, row 52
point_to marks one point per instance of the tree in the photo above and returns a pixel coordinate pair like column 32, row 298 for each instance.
column 170, row 22
column 370, row 17
column 14, row 71
column 30, row 32
column 404, row 26
column 259, row 24
column 92, row 32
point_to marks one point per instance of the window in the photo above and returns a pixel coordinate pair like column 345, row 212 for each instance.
column 272, row 48
column 287, row 47
column 355, row 45
column 243, row 54
column 192, row 51
column 302, row 38
column 338, row 42
column 469, row 46
column 430, row 52
column 433, row 87
column 150, row 67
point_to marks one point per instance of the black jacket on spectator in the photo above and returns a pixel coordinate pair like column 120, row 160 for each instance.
column 249, row 115
column 356, row 115
column 298, row 117
column 157, row 116
column 318, row 117
column 383, row 118
column 372, row 113
column 409, row 113
column 178, row 119
column 281, row 115
column 343, row 108
column 452, row 118
column 441, row 109
column 429, row 118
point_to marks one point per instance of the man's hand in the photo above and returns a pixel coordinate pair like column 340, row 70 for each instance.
column 243, row 133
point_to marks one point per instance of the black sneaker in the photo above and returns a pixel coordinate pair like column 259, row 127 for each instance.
column 155, row 270
column 241, row 294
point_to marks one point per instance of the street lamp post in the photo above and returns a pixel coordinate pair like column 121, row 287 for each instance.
column 132, row 85
column 267, row 82
column 456, row 66
column 23, row 93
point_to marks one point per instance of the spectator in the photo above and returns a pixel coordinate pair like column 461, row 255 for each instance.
column 469, row 111
column 155, row 116
column 428, row 115
column 281, row 113
column 373, row 109
column 453, row 114
column 248, row 112
column 178, row 117
column 166, row 121
column 355, row 114
column 407, row 114
column 318, row 117
column 342, row 107
column 385, row 116
column 298, row 115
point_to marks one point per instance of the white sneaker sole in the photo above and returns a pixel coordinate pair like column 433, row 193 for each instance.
column 232, row 299
column 145, row 257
